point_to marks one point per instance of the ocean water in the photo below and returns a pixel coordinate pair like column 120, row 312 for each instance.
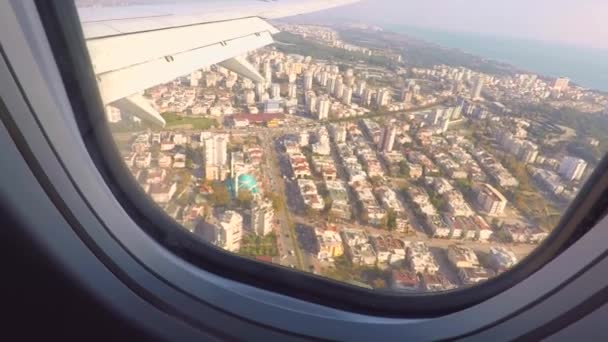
column 587, row 67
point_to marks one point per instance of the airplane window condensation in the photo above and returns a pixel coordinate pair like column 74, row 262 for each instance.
column 356, row 151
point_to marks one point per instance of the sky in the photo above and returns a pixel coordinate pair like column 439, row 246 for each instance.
column 574, row 22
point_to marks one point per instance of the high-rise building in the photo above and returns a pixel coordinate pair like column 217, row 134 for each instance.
column 195, row 77
column 265, row 97
column 311, row 102
column 338, row 88
column 406, row 96
column 572, row 168
column 260, row 90
column 476, row 91
column 457, row 111
column 528, row 152
column 303, row 138
column 410, row 85
column 347, row 95
column 249, row 97
column 561, row 84
column 210, row 80
column 215, row 149
column 324, row 78
column 384, row 98
column 323, row 109
column 113, row 114
column 275, row 91
column 388, row 138
column 331, row 84
column 230, row 81
column 349, row 80
column 338, row 132
column 368, row 95
column 230, row 231
column 292, row 91
column 267, row 70
column 216, row 156
column 308, row 81
column 416, row 90
column 262, row 215
column 360, row 88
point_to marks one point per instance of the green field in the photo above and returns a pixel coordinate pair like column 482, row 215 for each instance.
column 253, row 245
column 182, row 122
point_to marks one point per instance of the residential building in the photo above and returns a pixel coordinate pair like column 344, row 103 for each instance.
column 388, row 249
column 388, row 138
column 405, row 281
column 502, row 258
column 262, row 215
column 347, row 95
column 434, row 282
column 323, row 108
column 216, row 157
column 490, row 200
column 384, row 98
column 561, row 84
column 477, row 88
column 330, row 244
column 462, row 257
column 572, row 168
column 161, row 193
column 230, row 230
column 474, row 275
column 420, row 258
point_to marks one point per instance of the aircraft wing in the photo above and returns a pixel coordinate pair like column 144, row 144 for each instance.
column 136, row 47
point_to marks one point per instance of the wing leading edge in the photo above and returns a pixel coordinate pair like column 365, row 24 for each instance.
column 131, row 53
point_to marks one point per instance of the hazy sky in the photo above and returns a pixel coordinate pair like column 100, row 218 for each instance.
column 583, row 22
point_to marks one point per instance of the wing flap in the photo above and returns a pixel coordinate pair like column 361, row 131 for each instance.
column 113, row 53
column 123, row 82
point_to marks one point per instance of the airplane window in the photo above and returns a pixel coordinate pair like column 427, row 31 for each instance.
column 347, row 144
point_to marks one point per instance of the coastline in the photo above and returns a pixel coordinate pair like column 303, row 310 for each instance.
column 586, row 67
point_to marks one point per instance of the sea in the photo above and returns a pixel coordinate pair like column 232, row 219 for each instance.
column 585, row 66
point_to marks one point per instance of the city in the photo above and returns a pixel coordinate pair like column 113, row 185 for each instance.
column 353, row 164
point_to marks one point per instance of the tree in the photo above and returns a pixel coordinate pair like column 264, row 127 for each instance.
column 328, row 202
column 184, row 199
column 404, row 168
column 391, row 220
column 245, row 197
column 438, row 201
column 464, row 185
column 221, row 195
column 310, row 213
column 376, row 180
column 278, row 203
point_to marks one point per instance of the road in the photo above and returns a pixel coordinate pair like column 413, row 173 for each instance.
column 286, row 237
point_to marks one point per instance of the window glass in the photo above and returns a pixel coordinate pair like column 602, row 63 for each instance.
column 407, row 157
